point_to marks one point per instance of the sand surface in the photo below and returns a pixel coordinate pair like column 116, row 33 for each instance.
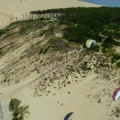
column 12, row 10
column 89, row 97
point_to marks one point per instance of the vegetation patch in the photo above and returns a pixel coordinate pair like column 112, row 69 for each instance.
column 95, row 48
column 116, row 112
column 115, row 58
column 18, row 112
column 118, row 64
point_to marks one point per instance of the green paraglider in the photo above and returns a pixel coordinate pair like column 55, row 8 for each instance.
column 53, row 20
column 89, row 42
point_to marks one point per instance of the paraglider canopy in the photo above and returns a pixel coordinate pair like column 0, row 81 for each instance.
column 116, row 94
column 89, row 42
column 68, row 116
column 53, row 20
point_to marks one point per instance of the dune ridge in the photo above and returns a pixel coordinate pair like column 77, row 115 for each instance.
column 18, row 8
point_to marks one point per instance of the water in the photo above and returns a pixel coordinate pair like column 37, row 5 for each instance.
column 107, row 3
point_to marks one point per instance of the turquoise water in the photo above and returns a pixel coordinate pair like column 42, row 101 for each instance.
column 107, row 3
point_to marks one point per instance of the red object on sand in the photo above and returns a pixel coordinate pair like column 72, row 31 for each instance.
column 115, row 91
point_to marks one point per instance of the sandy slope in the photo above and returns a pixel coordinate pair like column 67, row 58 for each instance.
column 82, row 96
column 10, row 9
column 87, row 95
column 82, row 100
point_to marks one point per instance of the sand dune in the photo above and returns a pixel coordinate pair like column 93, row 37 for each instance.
column 87, row 96
column 10, row 9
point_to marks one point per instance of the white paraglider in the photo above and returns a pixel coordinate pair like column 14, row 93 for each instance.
column 116, row 94
column 89, row 42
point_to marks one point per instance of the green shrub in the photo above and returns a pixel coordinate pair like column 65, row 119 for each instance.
column 118, row 64
column 2, row 32
column 115, row 57
column 23, row 30
column 95, row 48
column 18, row 111
column 109, row 41
column 41, row 51
column 14, row 103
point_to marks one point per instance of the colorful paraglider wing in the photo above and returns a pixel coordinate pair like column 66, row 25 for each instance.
column 116, row 94
column 90, row 42
column 68, row 116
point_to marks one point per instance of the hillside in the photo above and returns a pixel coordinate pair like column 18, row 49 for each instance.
column 47, row 66
column 15, row 10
